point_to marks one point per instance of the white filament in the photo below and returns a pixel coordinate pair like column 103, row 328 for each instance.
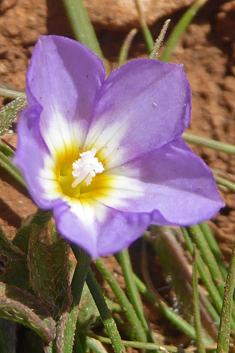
column 86, row 167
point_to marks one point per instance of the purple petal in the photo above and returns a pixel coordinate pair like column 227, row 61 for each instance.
column 64, row 77
column 171, row 180
column 30, row 157
column 142, row 106
column 98, row 229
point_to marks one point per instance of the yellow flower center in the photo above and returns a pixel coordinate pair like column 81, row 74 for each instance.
column 75, row 176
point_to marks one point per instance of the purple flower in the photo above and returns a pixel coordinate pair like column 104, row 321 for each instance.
column 105, row 154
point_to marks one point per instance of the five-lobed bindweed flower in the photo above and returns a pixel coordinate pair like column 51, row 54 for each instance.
column 106, row 154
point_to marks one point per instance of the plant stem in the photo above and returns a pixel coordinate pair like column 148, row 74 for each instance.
column 198, row 237
column 205, row 276
column 228, row 184
column 80, row 273
column 125, row 263
column 196, row 307
column 11, row 93
column 123, row 301
column 106, row 316
column 225, row 323
column 209, row 236
column 209, row 143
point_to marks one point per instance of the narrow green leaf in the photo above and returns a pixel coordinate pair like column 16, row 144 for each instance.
column 209, row 143
column 22, row 307
column 145, row 30
column 205, row 275
column 196, row 307
column 10, row 92
column 6, row 163
column 138, row 330
column 6, row 150
column 95, row 345
column 10, row 112
column 228, row 184
column 209, row 236
column 105, row 314
column 132, row 292
column 208, row 257
column 180, row 28
column 81, row 25
column 225, row 323
column 173, row 261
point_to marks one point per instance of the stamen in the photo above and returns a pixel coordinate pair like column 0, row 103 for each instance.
column 86, row 167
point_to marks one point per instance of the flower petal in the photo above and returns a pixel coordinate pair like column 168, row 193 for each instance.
column 98, row 229
column 142, row 106
column 32, row 157
column 64, row 77
column 171, row 180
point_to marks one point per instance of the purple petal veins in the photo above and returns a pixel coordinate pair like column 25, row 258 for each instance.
column 105, row 154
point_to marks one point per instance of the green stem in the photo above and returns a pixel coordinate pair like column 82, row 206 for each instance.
column 180, row 28
column 11, row 93
column 132, row 291
column 225, row 323
column 209, row 143
column 81, row 25
column 105, row 314
column 95, row 345
column 228, row 184
column 196, row 307
column 205, row 276
column 198, row 237
column 209, row 236
column 123, row 301
column 78, row 347
column 80, row 273
column 142, row 345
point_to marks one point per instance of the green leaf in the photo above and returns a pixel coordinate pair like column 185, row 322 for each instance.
column 16, row 270
column 24, row 308
column 40, row 218
column 10, row 112
column 49, row 270
column 7, row 248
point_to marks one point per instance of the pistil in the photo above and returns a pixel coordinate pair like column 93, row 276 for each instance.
column 86, row 167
